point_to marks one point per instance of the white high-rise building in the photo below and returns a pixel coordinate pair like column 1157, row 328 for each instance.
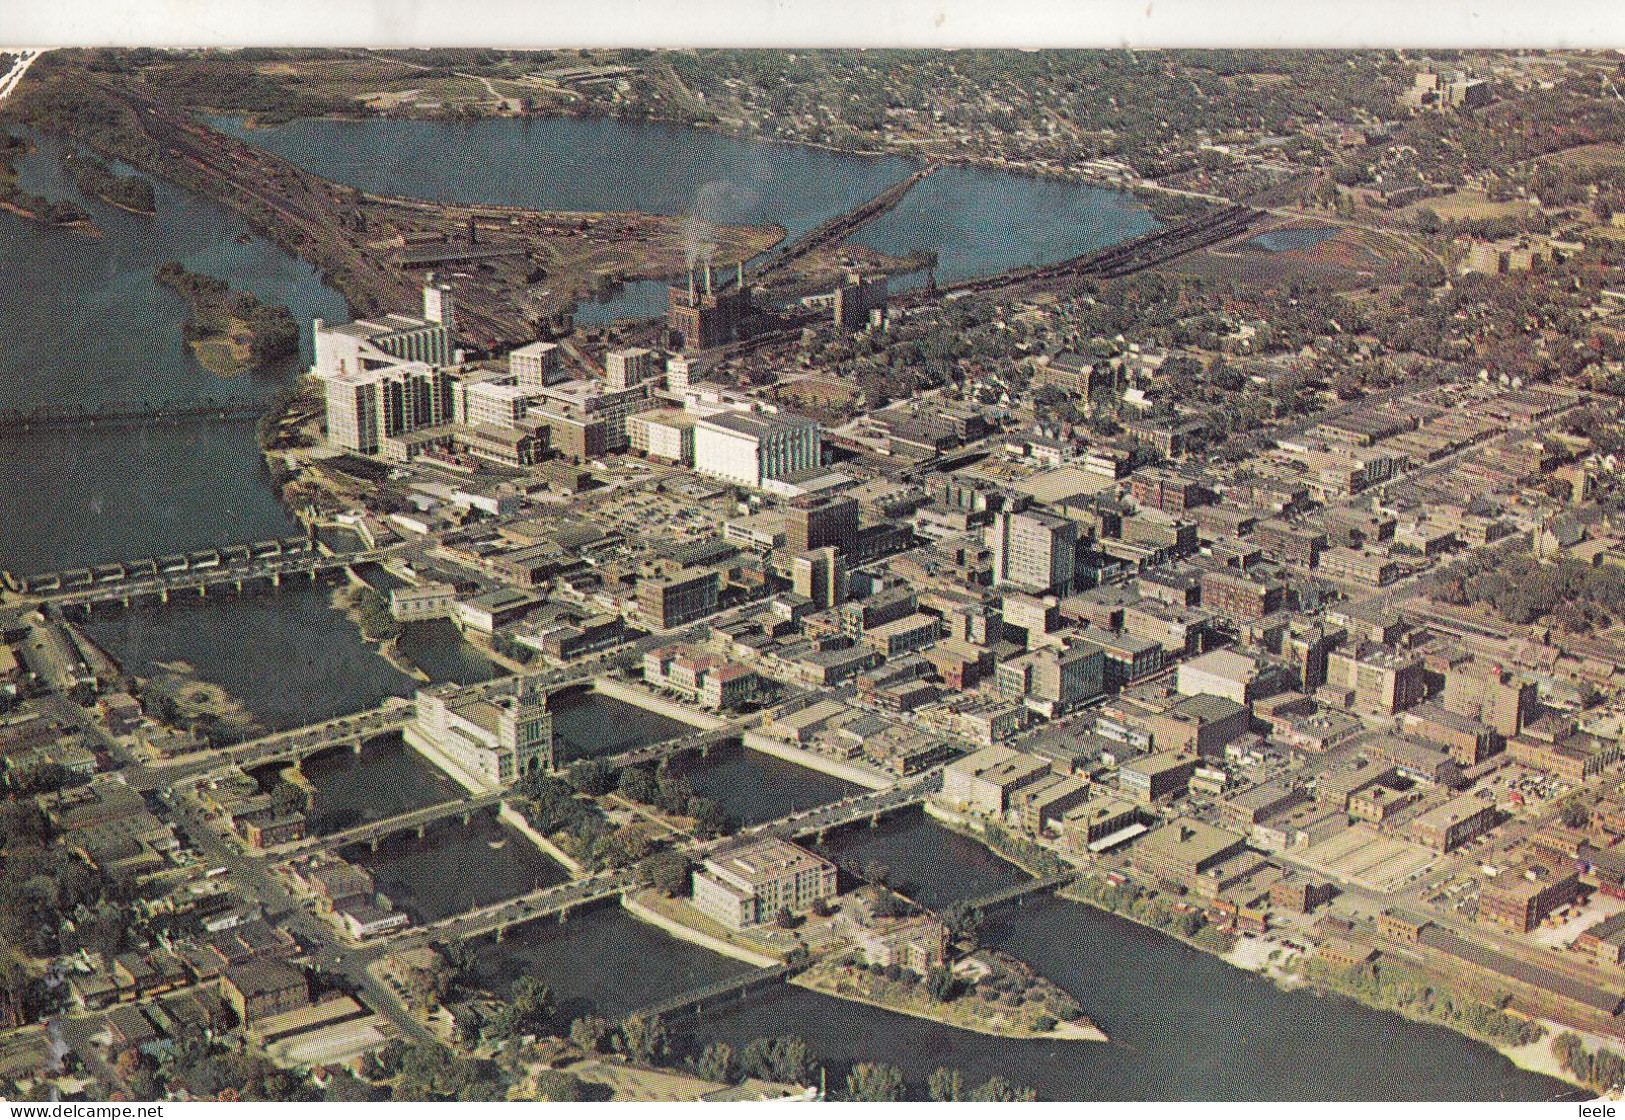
column 755, row 449
column 629, row 366
column 384, row 377
column 536, row 365
column 1034, row 551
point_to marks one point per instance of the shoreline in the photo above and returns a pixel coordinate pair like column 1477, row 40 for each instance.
column 1064, row 1032
column 693, row 936
column 511, row 816
column 1533, row 1057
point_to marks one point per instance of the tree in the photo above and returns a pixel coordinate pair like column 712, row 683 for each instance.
column 942, row 985
column 874, row 1082
column 590, row 1032
column 532, row 1000
column 1574, row 813
column 945, row 1085
column 667, row 871
column 645, row 1040
column 717, row 1062
column 556, row 1085
column 998, row 1090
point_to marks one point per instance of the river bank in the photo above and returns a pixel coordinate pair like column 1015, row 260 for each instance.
column 684, row 932
column 859, row 985
column 1262, row 959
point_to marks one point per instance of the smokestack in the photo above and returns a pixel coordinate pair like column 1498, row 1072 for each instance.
column 741, row 275
column 707, row 277
column 691, row 296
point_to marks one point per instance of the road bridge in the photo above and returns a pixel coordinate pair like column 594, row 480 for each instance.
column 199, row 582
column 700, row 743
column 870, row 806
column 70, row 580
column 287, row 746
column 695, row 1001
column 557, row 900
column 374, row 832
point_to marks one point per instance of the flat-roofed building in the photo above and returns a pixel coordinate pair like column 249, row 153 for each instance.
column 665, row 433
column 1204, row 724
column 755, row 449
column 485, row 614
column 1047, row 800
column 1155, row 776
column 499, row 731
column 1229, row 674
column 1382, row 680
column 535, row 365
column 1444, row 828
column 1183, row 849
column 687, row 596
column 1299, row 893
column 1055, row 681
column 1520, row 898
column 1605, row 941
column 1234, row 595
column 260, row 989
column 1034, row 551
column 1258, row 804
column 755, row 882
column 1485, row 691
column 985, row 781
column 912, row 632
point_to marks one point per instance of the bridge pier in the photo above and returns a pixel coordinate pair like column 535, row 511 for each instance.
column 468, row 818
column 163, row 595
column 355, row 747
column 276, row 579
column 422, row 830
column 374, row 845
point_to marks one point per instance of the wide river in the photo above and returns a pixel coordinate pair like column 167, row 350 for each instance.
column 84, row 324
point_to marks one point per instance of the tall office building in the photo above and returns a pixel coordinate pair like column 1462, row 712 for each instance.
column 753, row 449
column 628, row 366
column 384, row 377
column 819, row 575
column 536, row 365
column 1033, row 551
column 367, row 407
column 855, row 297
column 817, row 522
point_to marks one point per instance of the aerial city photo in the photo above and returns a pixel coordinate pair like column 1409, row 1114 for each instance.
column 689, row 575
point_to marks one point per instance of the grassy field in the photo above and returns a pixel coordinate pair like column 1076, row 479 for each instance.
column 1468, row 206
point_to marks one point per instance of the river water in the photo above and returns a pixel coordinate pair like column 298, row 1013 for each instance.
column 85, row 325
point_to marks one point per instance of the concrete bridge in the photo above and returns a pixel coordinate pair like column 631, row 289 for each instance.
column 287, row 746
column 695, row 1001
column 374, row 832
column 557, row 900
column 73, row 579
column 700, row 743
column 870, row 806
column 197, row 573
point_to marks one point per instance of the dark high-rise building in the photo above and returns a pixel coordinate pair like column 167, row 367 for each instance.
column 828, row 522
